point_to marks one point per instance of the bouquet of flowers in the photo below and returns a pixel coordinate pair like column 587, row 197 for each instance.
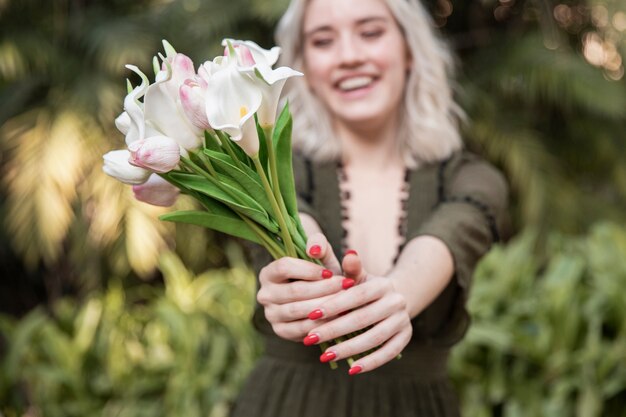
column 214, row 134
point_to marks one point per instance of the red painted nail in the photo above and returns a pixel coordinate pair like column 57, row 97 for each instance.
column 328, row 356
column 315, row 250
column 316, row 314
column 311, row 339
column 350, row 252
column 347, row 283
column 327, row 273
column 355, row 370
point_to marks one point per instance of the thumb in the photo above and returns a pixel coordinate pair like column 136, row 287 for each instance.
column 353, row 267
column 317, row 247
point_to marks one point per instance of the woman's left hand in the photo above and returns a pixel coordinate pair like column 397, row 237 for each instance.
column 373, row 302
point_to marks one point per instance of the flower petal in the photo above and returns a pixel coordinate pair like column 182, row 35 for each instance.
column 117, row 166
column 157, row 153
column 156, row 191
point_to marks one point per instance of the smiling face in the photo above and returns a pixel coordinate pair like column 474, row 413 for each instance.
column 355, row 59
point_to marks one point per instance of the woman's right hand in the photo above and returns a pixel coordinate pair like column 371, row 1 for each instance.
column 290, row 288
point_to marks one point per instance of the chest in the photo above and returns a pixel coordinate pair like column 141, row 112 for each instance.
column 374, row 204
column 374, row 215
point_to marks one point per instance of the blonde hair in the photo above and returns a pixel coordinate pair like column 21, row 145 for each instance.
column 429, row 122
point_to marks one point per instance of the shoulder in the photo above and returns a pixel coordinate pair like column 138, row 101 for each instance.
column 466, row 173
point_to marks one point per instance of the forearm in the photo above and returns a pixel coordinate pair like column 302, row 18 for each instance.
column 424, row 269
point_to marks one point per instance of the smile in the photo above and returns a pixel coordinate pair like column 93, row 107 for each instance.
column 354, row 83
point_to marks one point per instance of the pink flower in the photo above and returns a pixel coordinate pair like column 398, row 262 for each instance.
column 157, row 153
column 156, row 191
column 193, row 100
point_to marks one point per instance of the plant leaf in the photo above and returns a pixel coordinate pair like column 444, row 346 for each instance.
column 247, row 178
column 282, row 145
column 253, row 210
column 225, row 224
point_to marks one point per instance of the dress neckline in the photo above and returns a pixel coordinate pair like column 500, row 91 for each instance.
column 344, row 196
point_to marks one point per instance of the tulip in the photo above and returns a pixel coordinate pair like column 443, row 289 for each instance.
column 163, row 110
column 193, row 99
column 117, row 166
column 156, row 191
column 157, row 153
column 161, row 113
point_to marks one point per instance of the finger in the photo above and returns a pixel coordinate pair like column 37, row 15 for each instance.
column 294, row 331
column 285, row 269
column 318, row 248
column 299, row 291
column 352, row 266
column 387, row 352
column 355, row 320
column 370, row 339
column 353, row 298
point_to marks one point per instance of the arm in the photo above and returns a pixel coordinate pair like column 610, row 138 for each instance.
column 448, row 245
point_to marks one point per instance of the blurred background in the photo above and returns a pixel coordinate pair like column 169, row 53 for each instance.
column 106, row 311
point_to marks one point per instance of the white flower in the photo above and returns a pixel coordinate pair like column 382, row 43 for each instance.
column 161, row 113
column 193, row 97
column 232, row 99
column 257, row 63
column 156, row 191
column 117, row 166
column 156, row 153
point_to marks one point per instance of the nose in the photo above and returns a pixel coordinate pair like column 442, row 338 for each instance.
column 351, row 52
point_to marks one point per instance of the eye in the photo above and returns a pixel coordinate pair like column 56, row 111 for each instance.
column 372, row 33
column 321, row 42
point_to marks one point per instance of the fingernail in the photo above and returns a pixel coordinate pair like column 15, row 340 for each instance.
column 328, row 356
column 315, row 250
column 327, row 273
column 311, row 339
column 350, row 252
column 316, row 314
column 355, row 370
column 347, row 283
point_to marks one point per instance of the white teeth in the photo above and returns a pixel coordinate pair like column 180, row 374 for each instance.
column 355, row 82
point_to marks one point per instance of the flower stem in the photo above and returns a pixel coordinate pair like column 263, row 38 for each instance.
column 284, row 231
column 228, row 146
column 270, row 244
column 271, row 156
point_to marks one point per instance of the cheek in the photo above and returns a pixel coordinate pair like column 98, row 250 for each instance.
column 316, row 75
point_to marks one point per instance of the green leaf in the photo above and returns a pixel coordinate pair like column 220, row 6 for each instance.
column 247, row 178
column 282, row 146
column 263, row 157
column 248, row 208
column 211, row 142
column 225, row 224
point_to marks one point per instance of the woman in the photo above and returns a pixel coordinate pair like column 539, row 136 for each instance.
column 383, row 180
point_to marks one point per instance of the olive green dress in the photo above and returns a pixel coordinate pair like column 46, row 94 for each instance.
column 462, row 201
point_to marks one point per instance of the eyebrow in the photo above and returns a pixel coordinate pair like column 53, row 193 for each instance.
column 324, row 28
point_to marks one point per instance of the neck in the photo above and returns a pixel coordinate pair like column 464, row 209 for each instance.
column 367, row 147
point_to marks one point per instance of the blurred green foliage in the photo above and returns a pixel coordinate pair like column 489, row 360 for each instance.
column 547, row 339
column 543, row 85
column 548, row 336
column 179, row 351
